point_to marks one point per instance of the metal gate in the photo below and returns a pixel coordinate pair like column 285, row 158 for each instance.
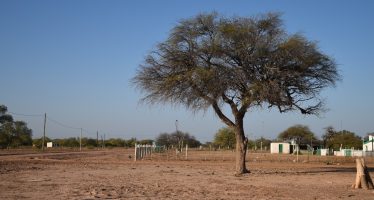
column 280, row 150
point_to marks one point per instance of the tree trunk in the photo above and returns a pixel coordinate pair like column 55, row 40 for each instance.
column 241, row 140
column 241, row 151
column 362, row 176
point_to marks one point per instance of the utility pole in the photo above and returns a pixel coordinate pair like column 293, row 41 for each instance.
column 80, row 142
column 176, row 126
column 262, row 123
column 104, row 141
column 179, row 139
column 45, row 121
column 97, row 139
column 297, row 152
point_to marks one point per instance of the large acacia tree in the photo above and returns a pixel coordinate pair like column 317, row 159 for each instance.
column 242, row 62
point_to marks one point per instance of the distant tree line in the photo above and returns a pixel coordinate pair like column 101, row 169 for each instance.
column 225, row 139
column 16, row 134
column 331, row 139
column 13, row 133
column 91, row 142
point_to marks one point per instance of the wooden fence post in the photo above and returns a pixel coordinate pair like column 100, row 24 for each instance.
column 362, row 176
column 136, row 155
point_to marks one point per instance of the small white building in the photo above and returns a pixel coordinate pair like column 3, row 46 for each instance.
column 51, row 144
column 368, row 144
column 349, row 153
column 322, row 152
column 280, row 147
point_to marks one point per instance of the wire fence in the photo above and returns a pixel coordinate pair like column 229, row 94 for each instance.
column 195, row 154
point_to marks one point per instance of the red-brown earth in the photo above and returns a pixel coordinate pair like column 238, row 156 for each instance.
column 113, row 174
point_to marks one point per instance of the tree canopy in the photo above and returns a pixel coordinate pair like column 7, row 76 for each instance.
column 328, row 136
column 242, row 62
column 346, row 139
column 225, row 138
column 176, row 139
column 13, row 133
column 209, row 59
column 300, row 132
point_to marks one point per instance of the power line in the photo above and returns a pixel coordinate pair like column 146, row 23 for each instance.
column 90, row 132
column 27, row 115
column 71, row 127
column 61, row 124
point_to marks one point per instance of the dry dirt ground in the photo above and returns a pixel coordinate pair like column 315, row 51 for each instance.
column 111, row 174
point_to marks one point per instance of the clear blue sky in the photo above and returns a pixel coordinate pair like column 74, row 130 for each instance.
column 74, row 60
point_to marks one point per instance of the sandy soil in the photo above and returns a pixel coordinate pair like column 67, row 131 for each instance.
column 111, row 174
